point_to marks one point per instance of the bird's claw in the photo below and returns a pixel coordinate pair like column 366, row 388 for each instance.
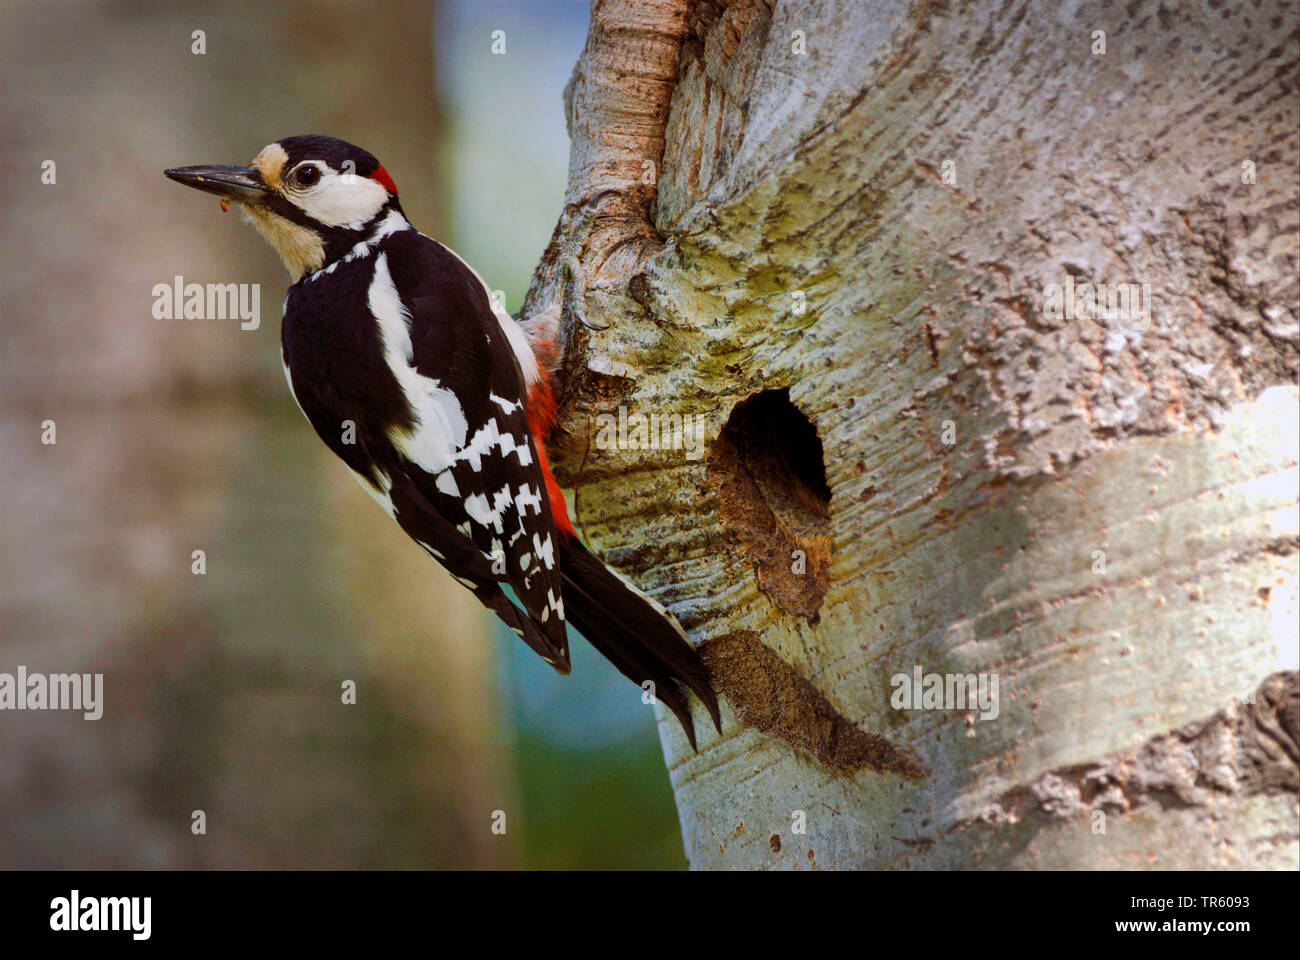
column 570, row 266
column 569, row 263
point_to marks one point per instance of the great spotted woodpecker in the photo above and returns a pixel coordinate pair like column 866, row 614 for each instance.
column 390, row 332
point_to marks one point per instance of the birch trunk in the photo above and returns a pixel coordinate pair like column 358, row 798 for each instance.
column 849, row 243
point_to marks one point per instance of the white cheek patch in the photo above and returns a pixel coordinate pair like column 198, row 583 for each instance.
column 342, row 199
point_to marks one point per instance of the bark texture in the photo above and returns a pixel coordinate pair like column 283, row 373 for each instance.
column 828, row 228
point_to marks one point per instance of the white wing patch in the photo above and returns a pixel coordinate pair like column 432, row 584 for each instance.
column 440, row 428
column 528, row 497
column 447, row 484
column 439, row 438
column 555, row 603
column 488, row 437
column 476, row 505
column 545, row 549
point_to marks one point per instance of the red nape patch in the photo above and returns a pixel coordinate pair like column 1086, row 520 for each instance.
column 380, row 176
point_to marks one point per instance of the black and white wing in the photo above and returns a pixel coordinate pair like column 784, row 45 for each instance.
column 467, row 469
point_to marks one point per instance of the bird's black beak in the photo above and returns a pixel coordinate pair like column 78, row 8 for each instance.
column 241, row 184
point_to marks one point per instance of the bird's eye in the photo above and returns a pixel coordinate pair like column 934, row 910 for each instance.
column 308, row 175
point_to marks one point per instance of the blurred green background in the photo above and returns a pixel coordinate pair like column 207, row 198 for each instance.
column 222, row 691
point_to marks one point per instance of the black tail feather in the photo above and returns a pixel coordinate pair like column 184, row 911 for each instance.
column 589, row 619
column 635, row 634
column 557, row 655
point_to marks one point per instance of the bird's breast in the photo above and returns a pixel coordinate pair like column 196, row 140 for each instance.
column 334, row 354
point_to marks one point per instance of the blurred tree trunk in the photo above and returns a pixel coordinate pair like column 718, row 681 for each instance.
column 847, row 218
column 222, row 691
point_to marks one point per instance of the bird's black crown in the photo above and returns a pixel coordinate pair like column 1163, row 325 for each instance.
column 335, row 152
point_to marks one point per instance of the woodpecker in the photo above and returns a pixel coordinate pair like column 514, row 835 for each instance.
column 394, row 343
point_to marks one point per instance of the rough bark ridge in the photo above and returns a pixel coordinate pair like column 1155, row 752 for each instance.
column 855, row 210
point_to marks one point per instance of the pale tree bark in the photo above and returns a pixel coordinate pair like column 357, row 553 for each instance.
column 831, row 229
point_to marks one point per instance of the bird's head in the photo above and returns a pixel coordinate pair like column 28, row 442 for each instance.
column 313, row 198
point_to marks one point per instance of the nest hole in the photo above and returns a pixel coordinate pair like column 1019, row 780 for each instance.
column 769, row 470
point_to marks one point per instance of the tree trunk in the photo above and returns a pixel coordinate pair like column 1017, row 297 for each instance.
column 852, row 245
